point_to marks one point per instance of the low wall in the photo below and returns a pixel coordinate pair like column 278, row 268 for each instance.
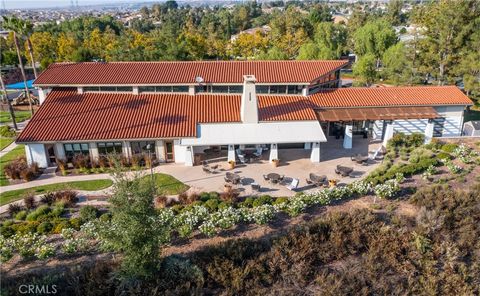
column 459, row 140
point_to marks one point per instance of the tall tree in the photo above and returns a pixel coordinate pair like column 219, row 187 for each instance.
column 375, row 37
column 394, row 12
column 447, row 27
column 396, row 65
column 365, row 69
column 9, row 104
column 14, row 25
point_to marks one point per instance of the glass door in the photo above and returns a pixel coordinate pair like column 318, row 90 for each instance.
column 169, row 155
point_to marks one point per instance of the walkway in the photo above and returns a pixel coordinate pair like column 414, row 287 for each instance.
column 9, row 148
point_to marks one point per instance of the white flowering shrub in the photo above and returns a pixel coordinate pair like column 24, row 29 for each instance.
column 361, row 187
column 465, row 154
column 29, row 246
column 295, row 206
column 400, row 178
column 429, row 172
column 263, row 214
column 225, row 218
column 208, row 228
column 45, row 251
column 453, row 168
column 388, row 189
column 6, row 248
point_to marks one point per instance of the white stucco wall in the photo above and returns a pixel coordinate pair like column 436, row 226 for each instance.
column 408, row 126
column 36, row 153
column 179, row 151
column 256, row 133
column 453, row 123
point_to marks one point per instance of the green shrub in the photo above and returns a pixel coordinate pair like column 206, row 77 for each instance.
column 7, row 231
column 280, row 200
column 212, row 204
column 26, row 227
column 39, row 213
column 419, row 154
column 60, row 224
column 57, row 210
column 88, row 213
column 262, row 200
column 444, row 155
column 248, row 202
column 449, row 147
column 76, row 223
column 44, row 227
column 105, row 217
column 21, row 215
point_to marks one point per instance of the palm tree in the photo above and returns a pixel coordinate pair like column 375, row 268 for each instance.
column 15, row 25
column 10, row 108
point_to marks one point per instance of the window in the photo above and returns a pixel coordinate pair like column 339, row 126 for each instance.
column 220, row 89
column 91, row 88
column 235, row 89
column 75, row 148
column 108, row 88
column 109, row 147
column 294, row 89
column 125, row 88
column 201, row 89
column 146, row 89
column 141, row 147
column 163, row 88
column 180, row 88
column 278, row 89
column 262, row 89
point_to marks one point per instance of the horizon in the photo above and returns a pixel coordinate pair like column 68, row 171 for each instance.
column 32, row 4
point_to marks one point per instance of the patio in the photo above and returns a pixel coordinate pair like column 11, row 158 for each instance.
column 294, row 163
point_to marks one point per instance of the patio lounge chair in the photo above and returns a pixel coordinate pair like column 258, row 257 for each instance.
column 294, row 184
column 343, row 171
column 258, row 153
column 206, row 170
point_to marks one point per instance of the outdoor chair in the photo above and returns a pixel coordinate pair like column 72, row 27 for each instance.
column 281, row 178
column 204, row 163
column 255, row 186
column 207, row 170
column 293, row 185
column 258, row 153
column 242, row 159
column 265, row 177
column 227, row 179
column 309, row 182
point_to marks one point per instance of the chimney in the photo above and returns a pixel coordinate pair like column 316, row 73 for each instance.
column 249, row 105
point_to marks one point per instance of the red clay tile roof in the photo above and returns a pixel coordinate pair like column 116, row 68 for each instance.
column 390, row 96
column 138, row 73
column 66, row 115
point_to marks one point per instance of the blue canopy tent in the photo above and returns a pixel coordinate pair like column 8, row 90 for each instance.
column 20, row 85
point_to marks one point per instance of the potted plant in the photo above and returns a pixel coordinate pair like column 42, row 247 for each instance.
column 332, row 183
column 227, row 188
column 231, row 164
column 275, row 162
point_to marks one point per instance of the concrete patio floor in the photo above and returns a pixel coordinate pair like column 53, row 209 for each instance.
column 294, row 163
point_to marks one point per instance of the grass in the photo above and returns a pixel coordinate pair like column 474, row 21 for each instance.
column 16, row 152
column 93, row 185
column 4, row 142
column 166, row 184
column 19, row 116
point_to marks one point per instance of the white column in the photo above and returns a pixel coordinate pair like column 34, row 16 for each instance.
column 307, row 146
column 42, row 94
column 80, row 90
column 231, row 152
column 388, row 132
column 189, row 156
column 36, row 153
column 59, row 151
column 93, row 151
column 315, row 155
column 305, row 91
column 347, row 140
column 191, row 90
column 135, row 90
column 126, row 149
column 273, row 152
column 429, row 131
column 160, row 151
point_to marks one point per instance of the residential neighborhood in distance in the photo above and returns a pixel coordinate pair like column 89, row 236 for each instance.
column 239, row 147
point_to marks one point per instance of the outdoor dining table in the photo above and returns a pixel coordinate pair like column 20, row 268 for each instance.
column 273, row 177
column 235, row 178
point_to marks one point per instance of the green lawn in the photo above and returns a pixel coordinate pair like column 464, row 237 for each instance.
column 19, row 116
column 93, row 185
column 18, row 151
column 4, row 142
column 166, row 184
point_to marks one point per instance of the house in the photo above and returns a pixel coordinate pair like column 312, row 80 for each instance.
column 178, row 109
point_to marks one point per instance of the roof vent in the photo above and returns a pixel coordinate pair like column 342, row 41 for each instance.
column 199, row 79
